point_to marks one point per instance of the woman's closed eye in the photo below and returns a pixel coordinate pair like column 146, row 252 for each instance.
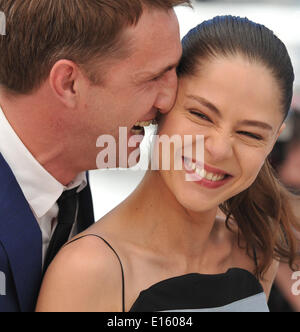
column 251, row 135
column 200, row 115
column 243, row 133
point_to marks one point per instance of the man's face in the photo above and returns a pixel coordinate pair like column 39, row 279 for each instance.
column 136, row 87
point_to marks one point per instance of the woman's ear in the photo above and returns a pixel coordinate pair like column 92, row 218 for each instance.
column 281, row 130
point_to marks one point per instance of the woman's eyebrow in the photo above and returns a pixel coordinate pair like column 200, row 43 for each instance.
column 253, row 123
column 213, row 108
column 206, row 103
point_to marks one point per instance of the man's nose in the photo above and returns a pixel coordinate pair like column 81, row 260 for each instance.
column 167, row 93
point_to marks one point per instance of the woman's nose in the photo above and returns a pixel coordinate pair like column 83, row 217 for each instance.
column 218, row 147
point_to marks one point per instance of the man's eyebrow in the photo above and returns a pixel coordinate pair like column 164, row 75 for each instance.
column 213, row 108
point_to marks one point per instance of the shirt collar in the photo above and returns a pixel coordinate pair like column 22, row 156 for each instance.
column 39, row 187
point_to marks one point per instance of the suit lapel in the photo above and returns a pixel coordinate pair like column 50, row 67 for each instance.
column 21, row 237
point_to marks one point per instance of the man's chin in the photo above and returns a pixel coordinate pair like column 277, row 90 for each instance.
column 134, row 157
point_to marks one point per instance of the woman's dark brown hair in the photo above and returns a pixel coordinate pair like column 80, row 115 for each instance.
column 263, row 212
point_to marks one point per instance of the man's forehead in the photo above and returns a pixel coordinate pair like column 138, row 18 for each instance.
column 154, row 45
column 148, row 62
column 157, row 28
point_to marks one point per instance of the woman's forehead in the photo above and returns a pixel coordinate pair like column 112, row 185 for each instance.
column 235, row 84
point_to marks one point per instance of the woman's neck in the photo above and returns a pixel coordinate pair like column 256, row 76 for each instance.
column 164, row 224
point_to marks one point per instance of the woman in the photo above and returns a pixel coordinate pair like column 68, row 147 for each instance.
column 165, row 248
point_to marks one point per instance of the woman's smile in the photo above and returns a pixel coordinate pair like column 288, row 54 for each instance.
column 205, row 175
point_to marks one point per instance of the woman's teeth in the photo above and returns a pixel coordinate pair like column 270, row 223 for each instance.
column 203, row 173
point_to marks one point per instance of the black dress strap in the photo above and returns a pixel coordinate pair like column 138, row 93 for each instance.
column 122, row 270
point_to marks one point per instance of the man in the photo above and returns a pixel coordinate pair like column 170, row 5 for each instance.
column 70, row 71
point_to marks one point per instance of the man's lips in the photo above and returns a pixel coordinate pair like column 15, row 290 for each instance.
column 145, row 122
column 147, row 119
column 139, row 126
column 152, row 116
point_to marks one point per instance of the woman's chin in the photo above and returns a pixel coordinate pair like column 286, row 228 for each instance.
column 197, row 203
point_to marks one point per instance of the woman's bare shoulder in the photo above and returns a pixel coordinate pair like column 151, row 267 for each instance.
column 85, row 276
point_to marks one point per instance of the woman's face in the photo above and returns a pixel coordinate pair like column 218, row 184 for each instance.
column 236, row 106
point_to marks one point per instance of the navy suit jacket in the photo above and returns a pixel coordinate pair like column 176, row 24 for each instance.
column 21, row 244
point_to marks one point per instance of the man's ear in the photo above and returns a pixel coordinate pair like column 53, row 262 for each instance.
column 62, row 80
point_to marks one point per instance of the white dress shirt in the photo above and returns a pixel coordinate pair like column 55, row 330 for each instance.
column 40, row 188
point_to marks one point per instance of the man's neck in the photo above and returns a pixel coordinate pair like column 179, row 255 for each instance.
column 33, row 120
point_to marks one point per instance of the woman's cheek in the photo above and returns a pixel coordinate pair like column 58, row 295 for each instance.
column 251, row 169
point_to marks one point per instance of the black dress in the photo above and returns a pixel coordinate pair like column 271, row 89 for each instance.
column 237, row 290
